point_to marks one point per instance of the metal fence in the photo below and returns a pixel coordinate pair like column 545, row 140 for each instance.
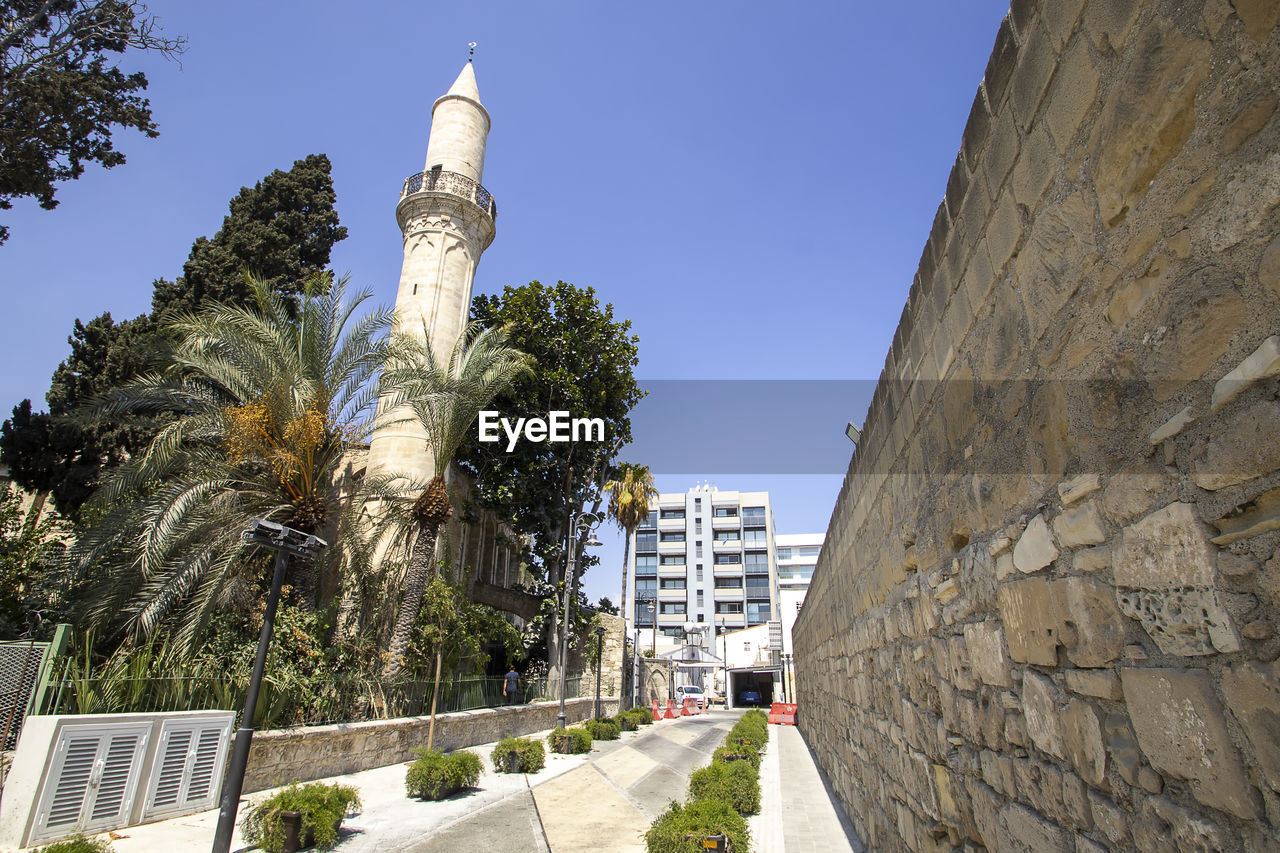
column 19, row 669
column 284, row 704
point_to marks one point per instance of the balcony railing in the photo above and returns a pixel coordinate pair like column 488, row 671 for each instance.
column 437, row 181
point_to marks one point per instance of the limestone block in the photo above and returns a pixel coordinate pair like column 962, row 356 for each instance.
column 988, row 660
column 1168, row 549
column 1102, row 683
column 1189, row 621
column 1082, row 741
column 1161, row 822
column 1261, row 363
column 1269, row 267
column 1203, row 317
column 1023, row 831
column 1060, row 244
column 1075, row 802
column 1131, row 492
column 1084, row 844
column 1181, row 730
column 1245, row 448
column 1252, row 691
column 1236, row 565
column 1035, row 548
column 1078, row 526
column 1123, row 746
column 1108, row 23
column 1078, row 487
column 1074, row 86
column 1242, row 207
column 1257, row 517
column 1109, row 818
column 986, row 812
column 1144, row 124
column 1041, row 701
column 1172, row 427
column 1258, row 16
column 1091, row 559
column 1090, row 624
column 1030, row 623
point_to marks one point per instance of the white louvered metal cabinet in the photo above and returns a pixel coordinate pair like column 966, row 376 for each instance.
column 92, row 779
column 186, row 774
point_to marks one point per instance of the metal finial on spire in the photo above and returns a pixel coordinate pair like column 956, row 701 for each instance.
column 472, row 55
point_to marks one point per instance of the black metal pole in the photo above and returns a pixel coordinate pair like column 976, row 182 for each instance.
column 599, row 656
column 244, row 735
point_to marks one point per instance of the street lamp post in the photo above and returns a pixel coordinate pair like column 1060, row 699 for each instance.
column 286, row 542
column 599, row 655
column 580, row 522
column 724, row 638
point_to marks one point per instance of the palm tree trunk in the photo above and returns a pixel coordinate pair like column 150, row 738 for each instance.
column 435, row 695
column 626, row 562
column 419, row 572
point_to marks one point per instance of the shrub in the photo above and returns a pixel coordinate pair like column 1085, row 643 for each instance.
column 531, row 756
column 321, row 805
column 642, row 715
column 680, row 829
column 625, row 722
column 578, row 740
column 434, row 775
column 735, row 782
column 78, row 844
column 731, row 754
column 603, row 729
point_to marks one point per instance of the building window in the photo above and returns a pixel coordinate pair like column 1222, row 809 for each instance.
column 702, row 617
column 646, row 565
column 758, row 560
column 646, row 542
column 673, row 583
column 699, row 571
column 728, row 559
column 727, row 536
column 757, row 612
column 728, row 583
column 673, row 559
column 810, row 550
column 784, row 553
column 697, row 525
column 756, row 536
column 650, row 522
column 671, row 607
column 698, row 548
column 759, row 584
column 673, row 632
column 753, row 515
column 673, row 513
column 728, row 606
column 725, row 512
column 697, row 503
column 672, row 535
column 699, row 597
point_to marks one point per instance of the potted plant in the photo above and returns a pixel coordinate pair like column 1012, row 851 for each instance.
column 569, row 741
column 434, row 775
column 300, row 816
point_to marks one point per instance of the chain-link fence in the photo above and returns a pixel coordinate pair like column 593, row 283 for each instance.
column 19, row 669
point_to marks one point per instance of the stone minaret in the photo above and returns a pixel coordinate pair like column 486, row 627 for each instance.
column 447, row 219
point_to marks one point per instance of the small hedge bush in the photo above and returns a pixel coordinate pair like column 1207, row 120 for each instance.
column 641, row 714
column 434, row 775
column 680, row 829
column 734, row 754
column 322, row 806
column 530, row 753
column 603, row 729
column 735, row 782
column 579, row 740
column 79, row 844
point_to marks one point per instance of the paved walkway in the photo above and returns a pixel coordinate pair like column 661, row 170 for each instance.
column 603, row 801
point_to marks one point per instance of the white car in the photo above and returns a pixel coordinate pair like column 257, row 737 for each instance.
column 688, row 691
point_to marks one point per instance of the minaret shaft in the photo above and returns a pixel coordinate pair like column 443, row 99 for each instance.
column 447, row 221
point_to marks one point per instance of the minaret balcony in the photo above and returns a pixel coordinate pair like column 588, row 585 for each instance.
column 452, row 183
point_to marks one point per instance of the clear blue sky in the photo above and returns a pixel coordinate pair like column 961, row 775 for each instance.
column 750, row 183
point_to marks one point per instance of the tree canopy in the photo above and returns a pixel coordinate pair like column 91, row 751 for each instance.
column 60, row 98
column 283, row 228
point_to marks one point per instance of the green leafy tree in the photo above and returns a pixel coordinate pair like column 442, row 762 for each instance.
column 446, row 399
column 29, row 555
column 61, row 95
column 630, row 491
column 585, row 362
column 283, row 228
column 272, row 398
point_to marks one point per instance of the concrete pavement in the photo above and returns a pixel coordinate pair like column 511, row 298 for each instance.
column 603, row 801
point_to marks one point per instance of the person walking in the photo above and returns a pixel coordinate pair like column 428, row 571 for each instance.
column 511, row 686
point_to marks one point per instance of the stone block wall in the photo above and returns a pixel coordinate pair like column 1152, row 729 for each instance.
column 282, row 756
column 1045, row 614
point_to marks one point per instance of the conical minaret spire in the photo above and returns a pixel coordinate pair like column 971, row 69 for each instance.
column 447, row 220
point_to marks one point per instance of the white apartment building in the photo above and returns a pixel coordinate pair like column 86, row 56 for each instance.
column 797, row 557
column 703, row 562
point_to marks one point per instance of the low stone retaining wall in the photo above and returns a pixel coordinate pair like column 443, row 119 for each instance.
column 282, row 756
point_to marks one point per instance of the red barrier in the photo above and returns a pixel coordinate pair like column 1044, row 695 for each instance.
column 671, row 709
column 690, row 707
column 783, row 713
column 657, row 711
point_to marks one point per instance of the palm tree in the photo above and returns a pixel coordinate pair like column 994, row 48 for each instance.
column 629, row 495
column 446, row 400
column 269, row 399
